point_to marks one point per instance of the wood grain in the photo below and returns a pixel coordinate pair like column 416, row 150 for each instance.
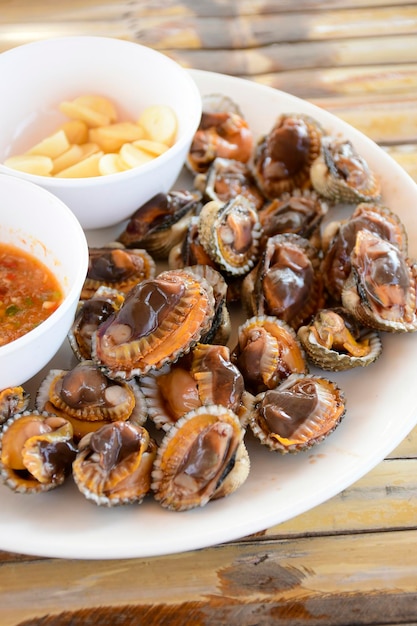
column 323, row 580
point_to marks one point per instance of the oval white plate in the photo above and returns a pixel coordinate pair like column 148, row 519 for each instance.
column 381, row 410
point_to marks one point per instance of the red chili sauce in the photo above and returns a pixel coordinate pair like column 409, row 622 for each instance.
column 29, row 293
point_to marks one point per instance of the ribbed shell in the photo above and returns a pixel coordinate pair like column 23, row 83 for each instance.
column 267, row 352
column 381, row 289
column 342, row 350
column 90, row 314
column 152, row 328
column 36, row 451
column 286, row 282
column 12, row 400
column 117, row 267
column 301, row 412
column 283, row 157
column 230, row 233
column 117, row 469
column 342, row 175
column 111, row 401
column 196, row 456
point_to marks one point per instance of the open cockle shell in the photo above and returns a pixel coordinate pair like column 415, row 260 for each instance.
column 12, row 400
column 36, row 451
column 113, row 465
column 298, row 212
column 228, row 178
column 161, row 223
column 267, row 352
column 339, row 238
column 222, row 132
column 160, row 320
column 196, row 456
column 230, row 234
column 381, row 289
column 88, row 398
column 301, row 412
column 340, row 174
column 117, row 267
column 89, row 315
column 204, row 376
column 283, row 156
column 286, row 282
column 334, row 341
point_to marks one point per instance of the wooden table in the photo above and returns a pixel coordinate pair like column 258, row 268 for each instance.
column 351, row 560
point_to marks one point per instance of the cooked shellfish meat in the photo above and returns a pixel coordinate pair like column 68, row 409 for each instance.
column 381, row 289
column 283, row 157
column 334, row 340
column 230, row 234
column 339, row 239
column 161, row 223
column 341, row 174
column 297, row 212
column 228, row 178
column 12, row 400
column 116, row 267
column 267, row 352
column 159, row 321
column 286, row 283
column 88, row 398
column 222, row 132
column 196, row 456
column 36, row 451
column 113, row 465
column 302, row 411
column 89, row 315
column 204, row 376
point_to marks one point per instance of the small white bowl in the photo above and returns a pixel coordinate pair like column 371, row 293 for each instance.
column 36, row 77
column 36, row 221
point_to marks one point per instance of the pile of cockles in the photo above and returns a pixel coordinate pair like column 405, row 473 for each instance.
column 163, row 391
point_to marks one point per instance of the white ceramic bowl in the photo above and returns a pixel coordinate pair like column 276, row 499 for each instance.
column 36, row 221
column 35, row 77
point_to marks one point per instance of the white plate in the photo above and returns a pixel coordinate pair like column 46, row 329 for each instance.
column 381, row 410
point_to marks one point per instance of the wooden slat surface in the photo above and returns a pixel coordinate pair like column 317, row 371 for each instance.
column 352, row 559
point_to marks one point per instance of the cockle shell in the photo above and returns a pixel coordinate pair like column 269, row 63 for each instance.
column 89, row 315
column 204, row 376
column 267, row 352
column 341, row 174
column 283, row 156
column 87, row 398
column 230, row 233
column 117, row 267
column 160, row 320
column 298, row 212
column 301, row 412
column 228, row 178
column 338, row 241
column 220, row 329
column 286, row 282
column 113, row 465
column 222, row 132
column 36, row 451
column 12, row 400
column 381, row 289
column 334, row 341
column 160, row 224
column 195, row 457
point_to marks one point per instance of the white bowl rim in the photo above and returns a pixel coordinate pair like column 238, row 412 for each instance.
column 76, row 285
column 90, row 181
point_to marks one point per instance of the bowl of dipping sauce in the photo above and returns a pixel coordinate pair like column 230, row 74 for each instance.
column 102, row 123
column 43, row 265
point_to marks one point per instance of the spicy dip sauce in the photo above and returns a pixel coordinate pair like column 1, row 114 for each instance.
column 29, row 292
